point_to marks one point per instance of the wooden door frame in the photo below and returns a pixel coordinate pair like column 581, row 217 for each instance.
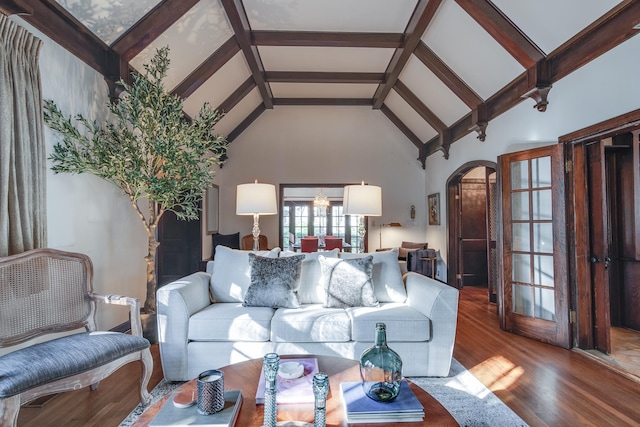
column 453, row 206
column 578, row 219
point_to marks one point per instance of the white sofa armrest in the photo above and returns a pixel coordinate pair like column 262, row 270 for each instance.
column 439, row 302
column 177, row 301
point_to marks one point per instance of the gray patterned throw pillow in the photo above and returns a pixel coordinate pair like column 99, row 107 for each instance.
column 274, row 282
column 348, row 282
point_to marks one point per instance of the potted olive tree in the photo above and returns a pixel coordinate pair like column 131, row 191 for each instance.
column 160, row 159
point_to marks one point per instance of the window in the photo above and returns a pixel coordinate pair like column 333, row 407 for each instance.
column 301, row 218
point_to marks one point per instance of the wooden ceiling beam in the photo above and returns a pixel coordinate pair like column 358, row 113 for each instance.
column 407, row 132
column 60, row 26
column 246, row 122
column 208, row 68
column 326, row 39
column 150, row 27
column 420, row 108
column 322, row 77
column 447, row 76
column 503, row 30
column 240, row 25
column 323, row 101
column 401, row 126
column 609, row 31
column 420, row 19
column 606, row 33
column 232, row 100
column 13, row 7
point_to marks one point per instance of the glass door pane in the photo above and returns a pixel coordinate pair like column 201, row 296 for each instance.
column 532, row 238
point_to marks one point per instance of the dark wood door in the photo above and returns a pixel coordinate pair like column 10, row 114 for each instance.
column 180, row 249
column 599, row 245
column 473, row 233
column 534, row 289
column 625, row 254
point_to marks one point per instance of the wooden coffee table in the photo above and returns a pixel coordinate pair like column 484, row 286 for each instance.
column 244, row 376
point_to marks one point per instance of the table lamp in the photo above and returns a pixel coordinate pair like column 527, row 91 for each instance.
column 363, row 200
column 256, row 199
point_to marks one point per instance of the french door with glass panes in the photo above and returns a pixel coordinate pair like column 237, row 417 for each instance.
column 535, row 284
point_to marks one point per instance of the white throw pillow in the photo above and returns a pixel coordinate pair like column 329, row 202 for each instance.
column 387, row 277
column 311, row 289
column 232, row 273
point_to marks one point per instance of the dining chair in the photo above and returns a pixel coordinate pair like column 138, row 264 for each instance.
column 309, row 244
column 247, row 242
column 332, row 242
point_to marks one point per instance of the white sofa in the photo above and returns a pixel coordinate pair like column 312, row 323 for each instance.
column 202, row 323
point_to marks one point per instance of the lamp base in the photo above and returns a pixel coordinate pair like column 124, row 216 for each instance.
column 362, row 232
column 256, row 232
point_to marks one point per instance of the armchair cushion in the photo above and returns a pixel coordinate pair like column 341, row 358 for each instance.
column 274, row 282
column 347, row 282
column 49, row 361
column 232, row 273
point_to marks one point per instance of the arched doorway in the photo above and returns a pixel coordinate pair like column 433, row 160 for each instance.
column 472, row 218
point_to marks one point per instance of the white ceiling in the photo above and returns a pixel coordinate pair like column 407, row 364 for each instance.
column 453, row 35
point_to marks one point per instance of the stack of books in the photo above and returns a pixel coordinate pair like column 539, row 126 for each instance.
column 187, row 415
column 362, row 409
column 292, row 390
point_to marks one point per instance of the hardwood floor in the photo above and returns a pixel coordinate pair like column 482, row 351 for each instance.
column 545, row 385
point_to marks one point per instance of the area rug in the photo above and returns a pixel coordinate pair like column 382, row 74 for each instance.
column 465, row 397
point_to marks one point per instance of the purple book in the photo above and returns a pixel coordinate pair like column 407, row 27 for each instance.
column 292, row 390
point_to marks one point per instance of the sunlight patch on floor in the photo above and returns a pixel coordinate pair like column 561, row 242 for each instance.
column 498, row 373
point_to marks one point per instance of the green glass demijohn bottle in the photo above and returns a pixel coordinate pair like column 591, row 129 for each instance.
column 381, row 369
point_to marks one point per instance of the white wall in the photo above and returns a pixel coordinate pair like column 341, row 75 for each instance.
column 606, row 87
column 86, row 214
column 294, row 145
column 309, row 145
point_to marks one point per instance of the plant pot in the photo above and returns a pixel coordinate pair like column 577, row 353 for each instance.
column 150, row 326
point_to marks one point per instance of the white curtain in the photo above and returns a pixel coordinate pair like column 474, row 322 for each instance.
column 22, row 149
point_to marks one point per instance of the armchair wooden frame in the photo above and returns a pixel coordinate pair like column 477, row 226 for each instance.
column 45, row 291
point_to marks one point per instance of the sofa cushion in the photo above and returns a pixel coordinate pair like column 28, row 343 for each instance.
column 310, row 323
column 274, row 282
column 347, row 282
column 232, row 274
column 387, row 279
column 311, row 290
column 230, row 322
column 403, row 323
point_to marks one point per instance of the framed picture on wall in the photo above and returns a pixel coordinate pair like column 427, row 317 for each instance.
column 433, row 203
column 211, row 203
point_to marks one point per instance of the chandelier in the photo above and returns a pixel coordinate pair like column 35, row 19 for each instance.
column 321, row 201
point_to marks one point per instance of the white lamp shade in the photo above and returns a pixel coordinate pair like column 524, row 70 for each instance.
column 256, row 198
column 362, row 200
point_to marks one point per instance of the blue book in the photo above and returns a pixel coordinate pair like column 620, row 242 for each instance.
column 360, row 407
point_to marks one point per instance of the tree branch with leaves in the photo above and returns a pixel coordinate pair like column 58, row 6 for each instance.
column 148, row 148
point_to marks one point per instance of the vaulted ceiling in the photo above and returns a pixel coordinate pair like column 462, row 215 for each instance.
column 437, row 69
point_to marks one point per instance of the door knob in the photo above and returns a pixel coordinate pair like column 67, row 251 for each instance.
column 607, row 260
column 595, row 259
